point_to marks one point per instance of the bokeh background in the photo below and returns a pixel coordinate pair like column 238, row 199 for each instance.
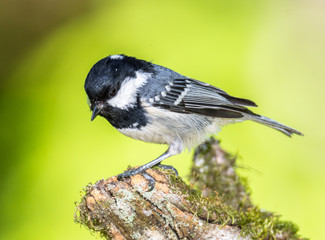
column 270, row 51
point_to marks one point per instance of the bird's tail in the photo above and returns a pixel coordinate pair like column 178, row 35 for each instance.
column 274, row 124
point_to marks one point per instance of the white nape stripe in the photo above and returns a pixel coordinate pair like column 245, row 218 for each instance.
column 116, row 57
column 126, row 96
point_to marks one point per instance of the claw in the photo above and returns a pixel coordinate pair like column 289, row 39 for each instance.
column 151, row 181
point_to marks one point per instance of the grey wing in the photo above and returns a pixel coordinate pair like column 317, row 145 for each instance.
column 192, row 96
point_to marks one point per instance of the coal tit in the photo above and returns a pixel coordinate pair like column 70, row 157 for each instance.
column 154, row 104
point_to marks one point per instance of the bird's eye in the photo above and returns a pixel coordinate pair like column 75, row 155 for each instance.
column 113, row 92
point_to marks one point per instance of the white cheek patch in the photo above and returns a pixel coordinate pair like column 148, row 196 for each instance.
column 126, row 96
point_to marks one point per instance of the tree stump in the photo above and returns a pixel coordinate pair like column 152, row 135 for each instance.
column 215, row 205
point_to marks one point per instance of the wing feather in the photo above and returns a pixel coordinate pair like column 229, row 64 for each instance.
column 192, row 96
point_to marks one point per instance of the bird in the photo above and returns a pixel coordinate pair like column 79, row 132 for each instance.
column 155, row 104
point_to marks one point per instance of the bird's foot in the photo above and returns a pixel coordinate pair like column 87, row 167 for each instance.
column 128, row 173
column 132, row 172
column 142, row 171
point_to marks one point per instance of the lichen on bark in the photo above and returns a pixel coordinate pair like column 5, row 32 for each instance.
column 215, row 205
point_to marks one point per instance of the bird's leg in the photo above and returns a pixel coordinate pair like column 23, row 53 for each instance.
column 172, row 150
column 146, row 166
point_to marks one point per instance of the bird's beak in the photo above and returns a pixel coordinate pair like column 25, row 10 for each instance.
column 96, row 111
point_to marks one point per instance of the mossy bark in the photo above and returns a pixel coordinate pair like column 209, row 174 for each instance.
column 216, row 205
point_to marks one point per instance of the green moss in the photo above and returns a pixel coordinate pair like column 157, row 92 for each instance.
column 252, row 221
column 214, row 171
column 221, row 196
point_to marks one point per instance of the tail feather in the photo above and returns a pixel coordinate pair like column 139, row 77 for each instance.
column 278, row 126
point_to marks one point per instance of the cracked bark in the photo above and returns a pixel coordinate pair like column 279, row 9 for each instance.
column 174, row 210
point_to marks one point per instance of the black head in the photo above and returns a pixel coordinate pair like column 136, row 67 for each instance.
column 107, row 75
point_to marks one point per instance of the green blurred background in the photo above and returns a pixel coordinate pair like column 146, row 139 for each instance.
column 271, row 51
